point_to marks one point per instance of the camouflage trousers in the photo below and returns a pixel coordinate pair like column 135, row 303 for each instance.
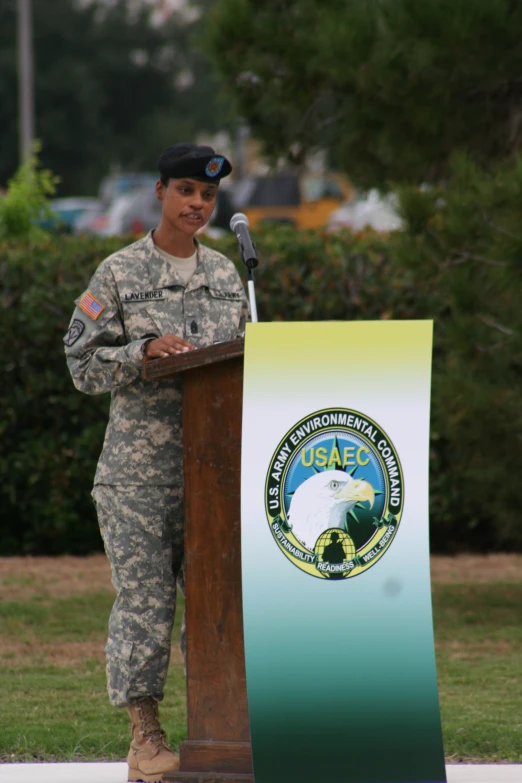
column 142, row 529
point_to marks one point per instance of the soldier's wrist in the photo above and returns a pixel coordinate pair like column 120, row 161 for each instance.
column 145, row 343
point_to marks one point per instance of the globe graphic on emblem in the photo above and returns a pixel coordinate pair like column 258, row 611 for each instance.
column 334, row 546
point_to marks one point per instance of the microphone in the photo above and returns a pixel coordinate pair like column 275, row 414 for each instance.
column 239, row 225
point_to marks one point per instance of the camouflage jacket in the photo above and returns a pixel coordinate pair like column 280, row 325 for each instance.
column 133, row 296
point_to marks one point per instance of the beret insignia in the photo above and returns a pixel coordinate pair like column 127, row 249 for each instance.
column 214, row 166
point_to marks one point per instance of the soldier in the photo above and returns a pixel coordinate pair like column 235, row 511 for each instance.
column 162, row 295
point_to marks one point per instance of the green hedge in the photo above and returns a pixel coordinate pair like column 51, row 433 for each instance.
column 51, row 435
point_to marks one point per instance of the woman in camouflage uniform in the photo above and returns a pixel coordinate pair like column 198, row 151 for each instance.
column 162, row 295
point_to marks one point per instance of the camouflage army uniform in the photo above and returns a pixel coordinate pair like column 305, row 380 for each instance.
column 133, row 296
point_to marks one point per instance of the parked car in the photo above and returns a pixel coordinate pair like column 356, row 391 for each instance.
column 122, row 184
column 140, row 211
column 301, row 200
column 67, row 211
column 84, row 223
column 368, row 209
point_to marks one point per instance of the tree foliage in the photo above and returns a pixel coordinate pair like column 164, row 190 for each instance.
column 111, row 88
column 462, row 250
column 26, row 200
column 392, row 88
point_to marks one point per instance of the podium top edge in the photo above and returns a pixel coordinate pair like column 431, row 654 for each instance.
column 154, row 369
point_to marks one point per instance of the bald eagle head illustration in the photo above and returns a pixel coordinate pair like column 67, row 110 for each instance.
column 323, row 501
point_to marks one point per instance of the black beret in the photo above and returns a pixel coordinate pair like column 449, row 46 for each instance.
column 191, row 160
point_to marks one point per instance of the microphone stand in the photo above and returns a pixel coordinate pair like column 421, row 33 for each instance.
column 251, row 290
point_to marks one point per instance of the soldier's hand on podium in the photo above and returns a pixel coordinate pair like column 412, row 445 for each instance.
column 166, row 346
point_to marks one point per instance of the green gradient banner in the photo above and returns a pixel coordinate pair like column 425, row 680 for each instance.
column 340, row 662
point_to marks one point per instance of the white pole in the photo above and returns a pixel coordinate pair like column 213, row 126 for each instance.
column 25, row 79
column 253, row 304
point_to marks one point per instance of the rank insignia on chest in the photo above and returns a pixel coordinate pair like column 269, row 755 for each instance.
column 90, row 305
column 191, row 327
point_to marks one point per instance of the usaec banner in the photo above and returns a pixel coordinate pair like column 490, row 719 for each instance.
column 340, row 662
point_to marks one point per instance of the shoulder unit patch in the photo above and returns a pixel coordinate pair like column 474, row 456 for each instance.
column 76, row 330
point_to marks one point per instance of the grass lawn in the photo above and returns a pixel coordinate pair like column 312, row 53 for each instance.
column 53, row 619
column 53, row 627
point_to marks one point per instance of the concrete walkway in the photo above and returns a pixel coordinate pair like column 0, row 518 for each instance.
column 116, row 772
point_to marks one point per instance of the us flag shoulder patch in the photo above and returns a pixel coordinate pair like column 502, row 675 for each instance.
column 90, row 305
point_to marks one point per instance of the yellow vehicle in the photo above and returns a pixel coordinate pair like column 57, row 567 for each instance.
column 303, row 201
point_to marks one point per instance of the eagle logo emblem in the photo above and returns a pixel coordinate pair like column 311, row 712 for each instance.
column 334, row 493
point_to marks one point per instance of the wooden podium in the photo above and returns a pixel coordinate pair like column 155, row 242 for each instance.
column 218, row 746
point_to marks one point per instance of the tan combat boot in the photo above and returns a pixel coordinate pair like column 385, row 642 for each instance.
column 149, row 755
